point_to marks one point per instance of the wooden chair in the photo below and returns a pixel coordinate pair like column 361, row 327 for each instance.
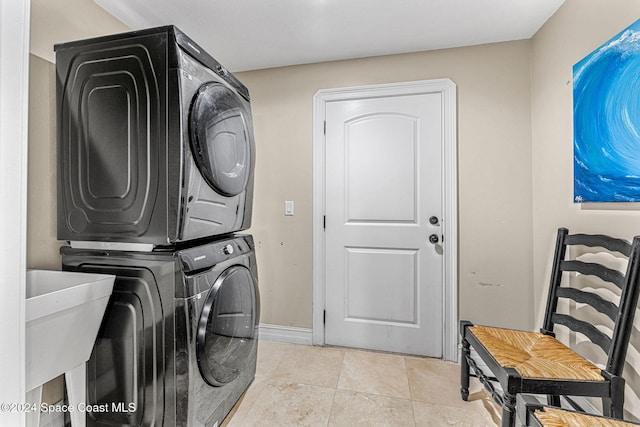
column 538, row 363
column 532, row 413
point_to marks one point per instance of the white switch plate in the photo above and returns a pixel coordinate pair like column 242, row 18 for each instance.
column 288, row 207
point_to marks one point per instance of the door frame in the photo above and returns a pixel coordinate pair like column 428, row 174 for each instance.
column 447, row 89
column 14, row 113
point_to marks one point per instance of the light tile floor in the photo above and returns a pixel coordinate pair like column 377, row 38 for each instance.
column 298, row 385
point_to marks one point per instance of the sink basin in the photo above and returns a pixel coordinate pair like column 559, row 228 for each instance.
column 63, row 313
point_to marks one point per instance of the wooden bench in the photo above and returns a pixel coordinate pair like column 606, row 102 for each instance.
column 537, row 362
column 532, row 413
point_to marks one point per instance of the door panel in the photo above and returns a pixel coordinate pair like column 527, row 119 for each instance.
column 371, row 272
column 383, row 181
column 369, row 171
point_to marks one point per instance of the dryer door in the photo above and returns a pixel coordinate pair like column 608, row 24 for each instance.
column 227, row 327
column 221, row 140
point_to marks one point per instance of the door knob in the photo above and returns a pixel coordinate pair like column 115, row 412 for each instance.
column 434, row 238
column 433, row 220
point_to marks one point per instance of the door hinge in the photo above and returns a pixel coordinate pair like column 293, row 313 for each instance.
column 324, row 317
column 324, row 222
column 325, row 127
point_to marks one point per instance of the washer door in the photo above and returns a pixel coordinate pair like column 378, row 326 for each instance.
column 220, row 130
column 227, row 327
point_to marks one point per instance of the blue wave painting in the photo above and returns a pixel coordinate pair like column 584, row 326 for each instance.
column 606, row 119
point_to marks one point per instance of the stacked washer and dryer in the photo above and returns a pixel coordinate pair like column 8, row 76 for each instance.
column 155, row 177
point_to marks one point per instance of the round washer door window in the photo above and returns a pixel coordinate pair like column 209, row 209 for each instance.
column 220, row 129
column 226, row 329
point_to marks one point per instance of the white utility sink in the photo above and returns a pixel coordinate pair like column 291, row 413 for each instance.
column 63, row 314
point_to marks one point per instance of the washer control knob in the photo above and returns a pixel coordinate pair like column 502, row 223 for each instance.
column 227, row 250
column 221, row 70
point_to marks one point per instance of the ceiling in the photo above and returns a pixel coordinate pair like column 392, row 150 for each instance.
column 256, row 34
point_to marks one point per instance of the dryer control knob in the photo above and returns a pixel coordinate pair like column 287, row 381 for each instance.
column 227, row 250
column 221, row 70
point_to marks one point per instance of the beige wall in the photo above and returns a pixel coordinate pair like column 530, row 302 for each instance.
column 66, row 20
column 494, row 150
column 579, row 27
column 51, row 22
column 42, row 247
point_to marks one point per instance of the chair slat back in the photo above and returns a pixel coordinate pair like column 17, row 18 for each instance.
column 621, row 313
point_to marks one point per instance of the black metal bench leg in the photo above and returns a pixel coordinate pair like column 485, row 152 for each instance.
column 464, row 370
column 614, row 406
column 508, row 411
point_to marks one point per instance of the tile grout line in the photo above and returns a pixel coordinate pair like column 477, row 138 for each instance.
column 335, row 409
column 413, row 409
column 335, row 390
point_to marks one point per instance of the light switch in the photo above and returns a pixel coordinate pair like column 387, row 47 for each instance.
column 288, row 207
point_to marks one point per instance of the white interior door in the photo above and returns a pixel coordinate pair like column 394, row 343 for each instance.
column 383, row 202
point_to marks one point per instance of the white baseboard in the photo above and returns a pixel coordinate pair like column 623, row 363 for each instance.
column 288, row 334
